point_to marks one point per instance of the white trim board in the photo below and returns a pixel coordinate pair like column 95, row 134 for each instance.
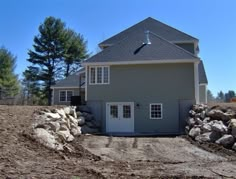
column 69, row 87
column 141, row 62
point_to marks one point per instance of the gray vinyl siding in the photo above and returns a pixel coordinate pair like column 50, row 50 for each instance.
column 202, row 93
column 56, row 95
column 187, row 46
column 145, row 84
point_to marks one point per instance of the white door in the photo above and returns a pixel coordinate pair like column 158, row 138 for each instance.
column 120, row 117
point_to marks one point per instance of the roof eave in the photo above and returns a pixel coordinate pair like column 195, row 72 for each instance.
column 143, row 62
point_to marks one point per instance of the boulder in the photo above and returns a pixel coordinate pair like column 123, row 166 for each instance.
column 206, row 128
column 48, row 140
column 226, row 140
column 206, row 120
column 203, row 115
column 218, row 126
column 61, row 112
column 81, row 120
column 53, row 115
column 83, row 109
column 88, row 117
column 65, row 135
column 87, row 130
column 75, row 131
column 232, row 127
column 64, row 127
column 73, row 120
column 194, row 132
column 55, row 126
column 192, row 113
column 203, row 137
column 191, row 122
column 215, row 114
column 187, row 128
column 234, row 146
column 198, row 121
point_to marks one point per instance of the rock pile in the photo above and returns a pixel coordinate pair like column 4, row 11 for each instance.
column 214, row 124
column 54, row 128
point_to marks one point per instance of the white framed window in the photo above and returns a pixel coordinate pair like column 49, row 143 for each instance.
column 99, row 75
column 65, row 95
column 155, row 111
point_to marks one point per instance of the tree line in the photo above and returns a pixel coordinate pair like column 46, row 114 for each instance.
column 57, row 53
column 221, row 96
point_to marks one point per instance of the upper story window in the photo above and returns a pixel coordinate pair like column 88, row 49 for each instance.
column 99, row 75
column 156, row 111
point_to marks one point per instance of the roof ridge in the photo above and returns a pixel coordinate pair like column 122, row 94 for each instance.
column 143, row 21
column 173, row 28
column 174, row 45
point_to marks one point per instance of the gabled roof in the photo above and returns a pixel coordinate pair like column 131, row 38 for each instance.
column 202, row 73
column 133, row 49
column 157, row 27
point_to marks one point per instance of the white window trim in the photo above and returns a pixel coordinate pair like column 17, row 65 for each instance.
column 96, row 83
column 150, row 110
column 66, row 95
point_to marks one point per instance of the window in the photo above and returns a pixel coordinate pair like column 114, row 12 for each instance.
column 114, row 111
column 156, row 111
column 126, row 111
column 65, row 96
column 99, row 75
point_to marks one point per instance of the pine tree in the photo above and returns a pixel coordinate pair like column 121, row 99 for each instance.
column 9, row 86
column 57, row 53
column 48, row 53
column 75, row 53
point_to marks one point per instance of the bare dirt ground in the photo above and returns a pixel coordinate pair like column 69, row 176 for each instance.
column 104, row 156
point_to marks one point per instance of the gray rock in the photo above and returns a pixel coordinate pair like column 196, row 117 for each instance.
column 234, row 146
column 206, row 128
column 203, row 115
column 81, row 120
column 53, row 115
column 206, row 120
column 187, row 128
column 204, row 137
column 84, row 109
column 215, row 114
column 214, row 136
column 61, row 112
column 65, row 135
column 191, row 122
column 48, row 140
column 88, row 117
column 75, row 131
column 198, row 121
column 192, row 113
column 73, row 120
column 194, row 132
column 226, row 140
column 87, row 130
column 218, row 126
column 55, row 126
column 64, row 127
column 232, row 127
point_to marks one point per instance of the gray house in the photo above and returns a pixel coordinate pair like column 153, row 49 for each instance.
column 145, row 79
column 73, row 85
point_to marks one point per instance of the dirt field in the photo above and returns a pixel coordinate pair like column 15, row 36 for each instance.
column 105, row 157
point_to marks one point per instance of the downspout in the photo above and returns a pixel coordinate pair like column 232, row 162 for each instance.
column 196, row 81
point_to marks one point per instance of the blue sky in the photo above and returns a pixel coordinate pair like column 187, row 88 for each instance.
column 213, row 22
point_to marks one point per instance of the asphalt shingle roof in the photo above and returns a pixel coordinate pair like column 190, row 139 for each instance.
column 71, row 81
column 167, row 32
column 132, row 48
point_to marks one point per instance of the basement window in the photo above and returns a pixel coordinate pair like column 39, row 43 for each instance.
column 99, row 75
column 65, row 95
column 156, row 111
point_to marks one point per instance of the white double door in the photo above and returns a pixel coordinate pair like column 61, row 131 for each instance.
column 120, row 117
